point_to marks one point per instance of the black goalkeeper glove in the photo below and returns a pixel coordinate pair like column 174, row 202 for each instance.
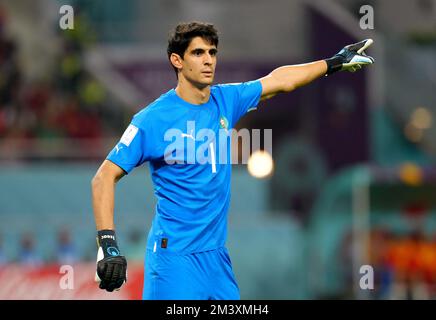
column 350, row 58
column 111, row 265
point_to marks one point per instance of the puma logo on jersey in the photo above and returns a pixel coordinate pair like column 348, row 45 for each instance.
column 185, row 135
column 118, row 148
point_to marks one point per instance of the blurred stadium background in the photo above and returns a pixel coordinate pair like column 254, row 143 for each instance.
column 354, row 180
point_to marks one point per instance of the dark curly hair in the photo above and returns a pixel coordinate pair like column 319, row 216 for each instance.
column 180, row 38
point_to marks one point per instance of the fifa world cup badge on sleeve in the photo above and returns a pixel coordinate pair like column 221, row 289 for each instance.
column 129, row 135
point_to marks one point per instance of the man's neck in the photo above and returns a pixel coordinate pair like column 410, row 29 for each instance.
column 191, row 93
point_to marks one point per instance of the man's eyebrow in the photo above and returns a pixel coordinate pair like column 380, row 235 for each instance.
column 203, row 50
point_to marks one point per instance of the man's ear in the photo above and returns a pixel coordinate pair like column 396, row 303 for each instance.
column 176, row 61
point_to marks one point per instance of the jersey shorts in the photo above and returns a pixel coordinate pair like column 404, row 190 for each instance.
column 203, row 275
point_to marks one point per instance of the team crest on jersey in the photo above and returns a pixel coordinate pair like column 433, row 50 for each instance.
column 224, row 123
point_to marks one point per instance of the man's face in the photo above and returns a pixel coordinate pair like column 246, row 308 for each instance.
column 199, row 62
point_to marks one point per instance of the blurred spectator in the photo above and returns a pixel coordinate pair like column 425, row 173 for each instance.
column 10, row 79
column 66, row 252
column 384, row 274
column 10, row 75
column 77, row 123
column 67, row 104
column 28, row 254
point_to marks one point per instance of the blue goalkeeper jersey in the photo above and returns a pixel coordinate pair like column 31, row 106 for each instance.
column 189, row 157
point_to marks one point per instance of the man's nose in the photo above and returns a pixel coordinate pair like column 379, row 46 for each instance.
column 208, row 59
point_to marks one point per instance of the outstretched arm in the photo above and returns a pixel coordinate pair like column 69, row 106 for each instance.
column 289, row 78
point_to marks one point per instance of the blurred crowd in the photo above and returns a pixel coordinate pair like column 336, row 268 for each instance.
column 29, row 254
column 404, row 264
column 67, row 103
column 64, row 250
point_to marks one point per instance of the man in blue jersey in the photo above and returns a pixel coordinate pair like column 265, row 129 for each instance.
column 180, row 136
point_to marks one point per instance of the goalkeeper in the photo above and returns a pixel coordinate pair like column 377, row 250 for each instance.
column 186, row 257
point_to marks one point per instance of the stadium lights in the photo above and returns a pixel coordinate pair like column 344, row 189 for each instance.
column 411, row 174
column 260, row 164
column 421, row 118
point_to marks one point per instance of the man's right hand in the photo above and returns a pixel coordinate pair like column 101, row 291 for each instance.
column 111, row 270
column 351, row 58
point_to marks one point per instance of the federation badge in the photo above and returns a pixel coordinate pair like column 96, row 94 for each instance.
column 224, row 123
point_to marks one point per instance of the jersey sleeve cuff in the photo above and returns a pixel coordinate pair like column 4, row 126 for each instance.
column 125, row 168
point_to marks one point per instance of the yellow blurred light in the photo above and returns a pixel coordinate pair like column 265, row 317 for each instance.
column 413, row 133
column 411, row 174
column 260, row 164
column 421, row 118
column 92, row 92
